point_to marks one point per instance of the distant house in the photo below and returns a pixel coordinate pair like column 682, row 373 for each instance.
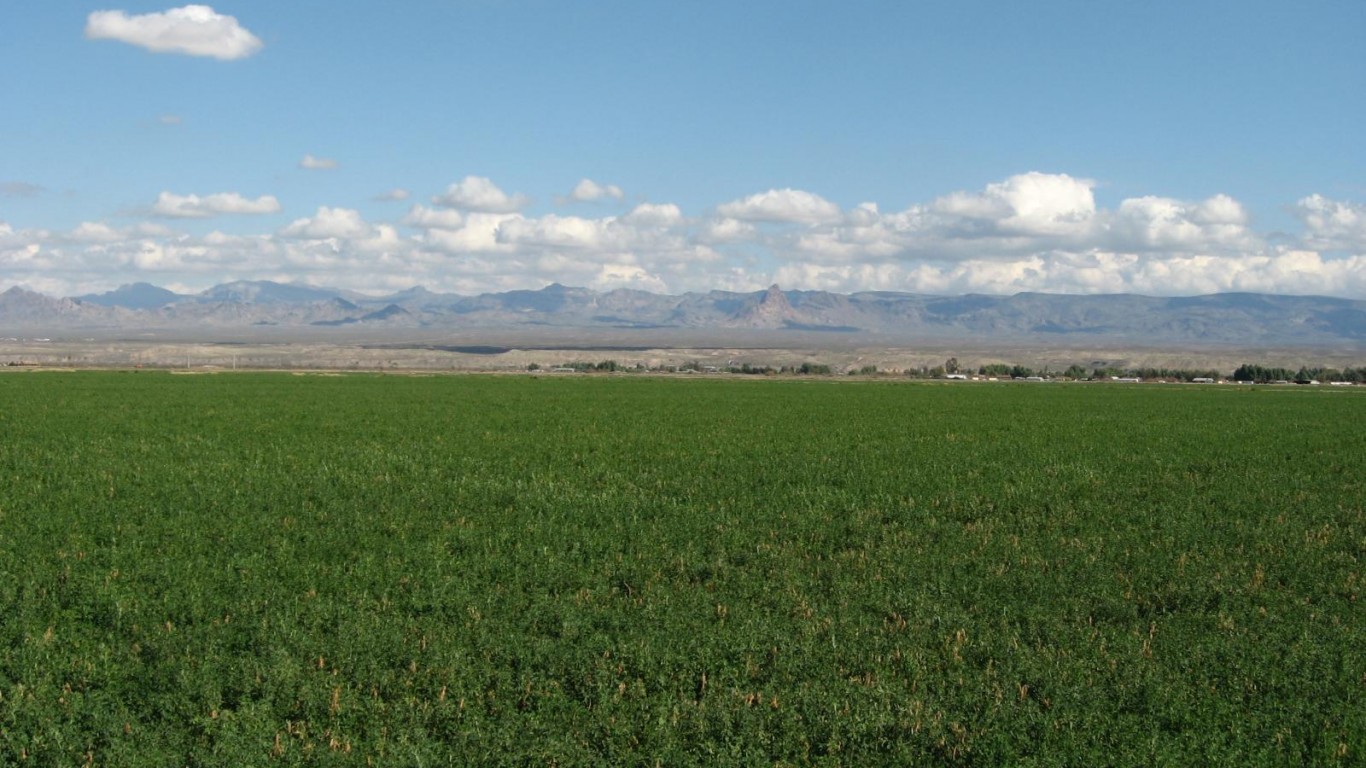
column 1202, row 380
column 956, row 376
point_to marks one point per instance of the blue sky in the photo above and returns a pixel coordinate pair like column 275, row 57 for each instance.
column 1161, row 147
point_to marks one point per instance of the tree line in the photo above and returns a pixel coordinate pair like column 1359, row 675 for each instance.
column 1248, row 372
column 1261, row 374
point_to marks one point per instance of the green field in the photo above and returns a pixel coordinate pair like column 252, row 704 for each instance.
column 263, row 569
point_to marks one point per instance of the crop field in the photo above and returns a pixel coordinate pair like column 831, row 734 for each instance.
column 266, row 569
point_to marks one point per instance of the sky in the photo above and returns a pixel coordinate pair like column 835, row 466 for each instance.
column 1063, row 146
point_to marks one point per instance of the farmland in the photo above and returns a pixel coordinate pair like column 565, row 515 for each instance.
column 254, row 569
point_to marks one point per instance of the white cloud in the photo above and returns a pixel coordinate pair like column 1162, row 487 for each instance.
column 434, row 218
column 395, row 195
column 329, row 223
column 477, row 193
column 1294, row 272
column 1028, row 204
column 170, row 119
column 1033, row 232
column 311, row 163
column 725, row 230
column 1027, row 214
column 479, row 234
column 175, row 206
column 656, row 215
column 612, row 276
column 587, row 191
column 559, row 232
column 782, row 205
column 196, row 30
column 1161, row 223
column 94, row 232
column 1332, row 224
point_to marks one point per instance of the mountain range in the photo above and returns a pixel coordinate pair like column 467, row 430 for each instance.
column 1225, row 318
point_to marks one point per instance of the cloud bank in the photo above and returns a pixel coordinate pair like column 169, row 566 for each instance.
column 170, row 205
column 1030, row 232
column 194, row 30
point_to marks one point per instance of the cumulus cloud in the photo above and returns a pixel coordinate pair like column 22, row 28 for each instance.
column 395, row 195
column 725, row 230
column 1031, row 232
column 434, row 218
column 648, row 233
column 94, row 232
column 195, row 30
column 657, row 215
column 782, row 205
column 478, row 233
column 587, row 191
column 478, row 193
column 1294, row 272
column 170, row 205
column 311, row 163
column 1332, row 224
column 556, row 232
column 329, row 223
column 1027, row 214
column 633, row 276
column 1161, row 223
column 1027, row 204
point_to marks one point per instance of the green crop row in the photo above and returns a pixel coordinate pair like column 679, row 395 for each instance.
column 256, row 569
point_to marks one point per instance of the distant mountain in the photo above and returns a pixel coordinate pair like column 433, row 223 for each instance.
column 1228, row 318
column 134, row 296
column 770, row 310
column 267, row 292
column 392, row 314
column 20, row 308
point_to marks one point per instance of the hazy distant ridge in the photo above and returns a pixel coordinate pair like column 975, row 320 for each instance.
column 1233, row 318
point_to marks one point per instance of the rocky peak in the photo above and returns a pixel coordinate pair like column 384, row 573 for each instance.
column 771, row 310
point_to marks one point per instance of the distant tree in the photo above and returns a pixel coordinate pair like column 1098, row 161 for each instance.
column 1075, row 371
column 1261, row 375
column 757, row 370
column 534, row 367
column 951, row 365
